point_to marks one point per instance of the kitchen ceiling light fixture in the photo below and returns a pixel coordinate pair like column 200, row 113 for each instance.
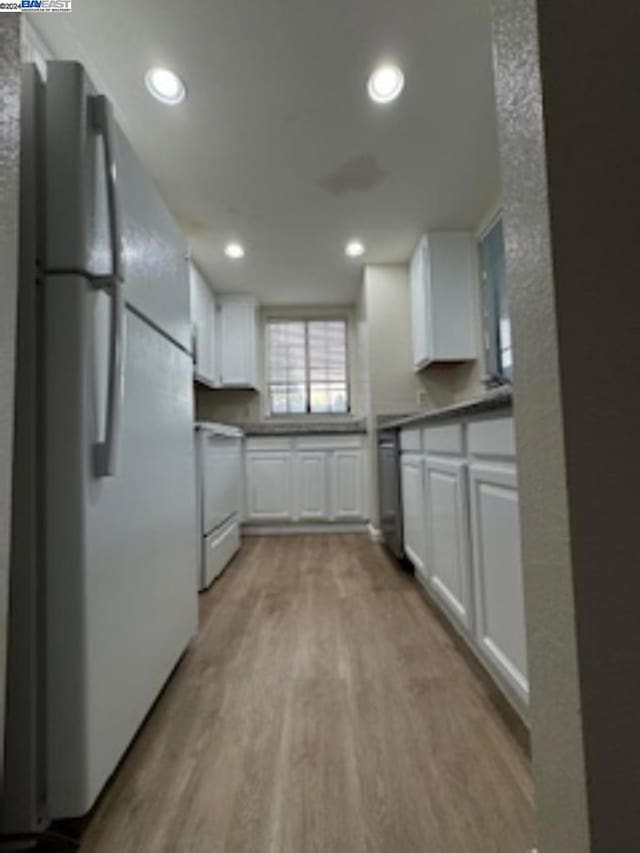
column 354, row 249
column 235, row 251
column 385, row 84
column 165, row 85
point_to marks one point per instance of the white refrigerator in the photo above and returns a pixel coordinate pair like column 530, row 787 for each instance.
column 103, row 599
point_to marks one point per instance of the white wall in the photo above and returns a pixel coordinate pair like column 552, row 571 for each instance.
column 388, row 382
column 9, row 213
column 393, row 385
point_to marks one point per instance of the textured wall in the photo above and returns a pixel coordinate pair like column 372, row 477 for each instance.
column 555, row 712
column 567, row 91
column 9, row 173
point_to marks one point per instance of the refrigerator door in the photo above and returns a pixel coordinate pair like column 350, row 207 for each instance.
column 154, row 252
column 21, row 802
column 120, row 564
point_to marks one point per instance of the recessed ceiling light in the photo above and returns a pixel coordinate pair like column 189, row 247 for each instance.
column 165, row 85
column 354, row 249
column 385, row 84
column 235, row 251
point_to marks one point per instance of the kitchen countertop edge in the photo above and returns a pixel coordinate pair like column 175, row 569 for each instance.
column 491, row 402
column 214, row 428
column 357, row 427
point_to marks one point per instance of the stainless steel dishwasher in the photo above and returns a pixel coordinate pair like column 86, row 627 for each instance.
column 390, row 490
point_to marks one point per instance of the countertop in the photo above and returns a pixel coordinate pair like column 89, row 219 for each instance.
column 304, row 427
column 219, row 429
column 501, row 398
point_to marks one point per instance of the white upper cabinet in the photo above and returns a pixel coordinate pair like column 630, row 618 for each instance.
column 225, row 336
column 418, row 273
column 238, row 342
column 444, row 279
column 203, row 319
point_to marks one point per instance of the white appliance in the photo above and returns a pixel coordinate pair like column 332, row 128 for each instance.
column 103, row 600
column 219, row 486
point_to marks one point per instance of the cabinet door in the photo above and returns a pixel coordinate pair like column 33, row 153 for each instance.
column 347, row 485
column 269, row 494
column 447, row 535
column 443, row 277
column 311, row 485
column 238, row 342
column 497, row 563
column 413, row 516
column 454, row 279
column 203, row 318
column 418, row 292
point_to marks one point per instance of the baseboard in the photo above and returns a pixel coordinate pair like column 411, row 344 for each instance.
column 375, row 534
column 292, row 529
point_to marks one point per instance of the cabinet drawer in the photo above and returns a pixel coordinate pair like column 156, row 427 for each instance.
column 411, row 440
column 259, row 443
column 328, row 442
column 493, row 437
column 219, row 548
column 444, row 439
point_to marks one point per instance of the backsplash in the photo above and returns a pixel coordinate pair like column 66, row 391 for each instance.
column 230, row 406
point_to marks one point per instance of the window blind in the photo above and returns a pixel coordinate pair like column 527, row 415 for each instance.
column 308, row 367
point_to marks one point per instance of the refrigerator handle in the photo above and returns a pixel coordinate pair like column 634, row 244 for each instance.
column 102, row 114
column 105, row 451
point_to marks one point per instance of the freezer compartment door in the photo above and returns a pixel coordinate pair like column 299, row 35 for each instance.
column 121, row 598
column 155, row 251
column 79, row 237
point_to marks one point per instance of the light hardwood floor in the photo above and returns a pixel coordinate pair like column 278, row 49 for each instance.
column 322, row 707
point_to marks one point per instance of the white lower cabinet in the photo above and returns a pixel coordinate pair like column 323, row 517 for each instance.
column 346, row 485
column 269, row 492
column 500, row 614
column 462, row 533
column 413, row 511
column 305, row 480
column 312, row 494
column 447, row 535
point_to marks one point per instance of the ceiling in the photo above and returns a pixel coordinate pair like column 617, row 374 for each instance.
column 277, row 144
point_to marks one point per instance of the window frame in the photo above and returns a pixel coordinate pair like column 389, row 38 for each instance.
column 306, row 319
column 490, row 311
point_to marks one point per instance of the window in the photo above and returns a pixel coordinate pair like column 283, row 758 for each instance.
column 497, row 324
column 307, row 367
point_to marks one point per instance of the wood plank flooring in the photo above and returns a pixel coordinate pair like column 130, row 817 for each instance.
column 322, row 707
